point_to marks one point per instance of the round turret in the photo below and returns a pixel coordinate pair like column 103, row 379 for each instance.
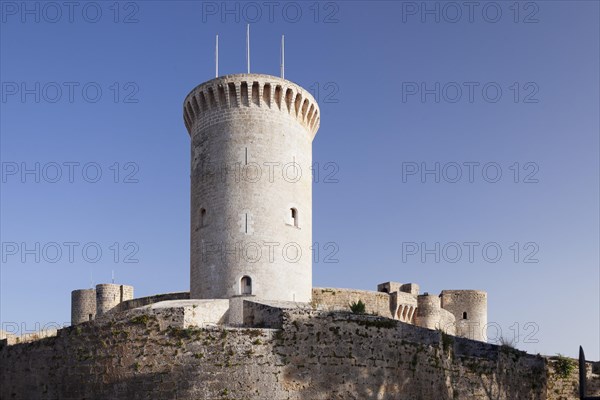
column 251, row 187
column 109, row 295
column 469, row 308
column 83, row 305
column 428, row 311
column 430, row 314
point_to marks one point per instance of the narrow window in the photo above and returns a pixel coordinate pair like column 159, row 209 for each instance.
column 246, row 285
column 294, row 217
column 202, row 221
column 89, row 317
column 465, row 315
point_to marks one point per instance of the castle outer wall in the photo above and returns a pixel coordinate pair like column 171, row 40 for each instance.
column 317, row 356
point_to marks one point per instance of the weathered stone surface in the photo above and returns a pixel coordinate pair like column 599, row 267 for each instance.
column 83, row 305
column 316, row 355
column 251, row 187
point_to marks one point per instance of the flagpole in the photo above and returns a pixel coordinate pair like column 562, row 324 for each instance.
column 248, row 46
column 282, row 66
column 217, row 57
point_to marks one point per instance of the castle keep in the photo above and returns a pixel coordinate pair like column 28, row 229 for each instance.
column 259, row 124
column 251, row 325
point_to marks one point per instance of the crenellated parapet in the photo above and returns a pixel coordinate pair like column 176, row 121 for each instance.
column 226, row 96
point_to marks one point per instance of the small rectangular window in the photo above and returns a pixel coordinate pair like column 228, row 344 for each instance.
column 202, row 221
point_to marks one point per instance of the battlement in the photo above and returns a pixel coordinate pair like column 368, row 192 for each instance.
column 208, row 102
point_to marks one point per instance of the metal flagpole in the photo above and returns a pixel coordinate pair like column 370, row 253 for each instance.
column 217, row 57
column 248, row 46
column 282, row 66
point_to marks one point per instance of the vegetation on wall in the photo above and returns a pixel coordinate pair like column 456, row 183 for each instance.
column 564, row 366
column 358, row 307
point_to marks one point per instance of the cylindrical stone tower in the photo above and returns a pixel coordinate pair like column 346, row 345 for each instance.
column 251, row 187
column 470, row 310
column 109, row 295
column 430, row 315
column 83, row 305
column 428, row 311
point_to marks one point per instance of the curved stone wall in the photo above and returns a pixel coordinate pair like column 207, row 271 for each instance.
column 469, row 308
column 430, row 314
column 336, row 299
column 251, row 188
column 83, row 305
column 109, row 295
column 144, row 301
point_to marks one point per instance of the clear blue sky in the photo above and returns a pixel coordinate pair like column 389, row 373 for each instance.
column 367, row 59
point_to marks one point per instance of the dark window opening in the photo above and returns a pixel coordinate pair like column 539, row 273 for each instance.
column 465, row 315
column 294, row 216
column 202, row 221
column 89, row 317
column 246, row 285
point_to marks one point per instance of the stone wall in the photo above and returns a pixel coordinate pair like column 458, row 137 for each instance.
column 317, row 356
column 144, row 301
column 403, row 306
column 10, row 339
column 336, row 299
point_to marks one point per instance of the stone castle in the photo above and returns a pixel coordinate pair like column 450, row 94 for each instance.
column 252, row 326
column 252, row 121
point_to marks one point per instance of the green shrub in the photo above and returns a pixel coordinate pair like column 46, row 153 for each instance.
column 564, row 366
column 358, row 307
column 140, row 319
